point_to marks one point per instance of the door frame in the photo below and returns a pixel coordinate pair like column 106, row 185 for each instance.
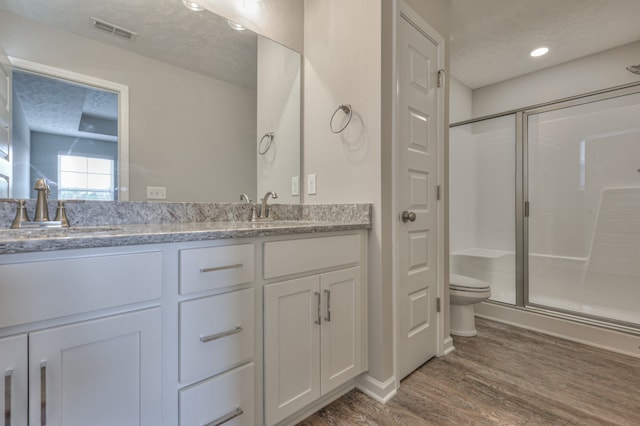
column 403, row 11
column 123, row 110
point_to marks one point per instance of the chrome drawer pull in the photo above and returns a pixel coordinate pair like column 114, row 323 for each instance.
column 319, row 318
column 222, row 420
column 7, row 396
column 43, row 393
column 221, row 268
column 328, row 317
column 205, row 339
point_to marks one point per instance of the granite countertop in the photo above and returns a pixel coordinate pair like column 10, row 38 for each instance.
column 30, row 240
column 226, row 222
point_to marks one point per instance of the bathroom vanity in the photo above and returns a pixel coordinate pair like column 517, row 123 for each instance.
column 181, row 323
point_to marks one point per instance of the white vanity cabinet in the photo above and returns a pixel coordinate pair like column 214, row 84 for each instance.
column 13, row 379
column 89, row 346
column 217, row 323
column 314, row 325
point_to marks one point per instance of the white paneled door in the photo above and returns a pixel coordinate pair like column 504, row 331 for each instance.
column 418, row 128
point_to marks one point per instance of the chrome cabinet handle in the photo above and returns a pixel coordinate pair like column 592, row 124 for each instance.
column 211, row 337
column 221, row 268
column 408, row 216
column 319, row 318
column 222, row 420
column 328, row 317
column 43, row 393
column 7, row 396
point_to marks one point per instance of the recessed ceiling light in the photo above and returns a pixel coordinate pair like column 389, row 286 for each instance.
column 539, row 51
column 235, row 25
column 192, row 5
column 253, row 6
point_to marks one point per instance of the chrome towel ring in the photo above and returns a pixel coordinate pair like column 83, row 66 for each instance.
column 269, row 135
column 346, row 108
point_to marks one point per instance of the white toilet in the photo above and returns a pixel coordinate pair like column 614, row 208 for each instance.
column 464, row 293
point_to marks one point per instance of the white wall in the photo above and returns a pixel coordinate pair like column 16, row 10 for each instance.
column 279, row 103
column 21, row 146
column 460, row 101
column 596, row 72
column 190, row 133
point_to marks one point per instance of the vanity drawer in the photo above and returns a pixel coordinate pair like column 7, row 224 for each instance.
column 216, row 333
column 215, row 267
column 225, row 399
column 310, row 254
column 36, row 291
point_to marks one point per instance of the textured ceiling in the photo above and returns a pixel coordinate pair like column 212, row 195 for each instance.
column 491, row 39
column 167, row 31
column 55, row 106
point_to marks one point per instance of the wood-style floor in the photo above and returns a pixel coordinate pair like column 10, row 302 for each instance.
column 505, row 376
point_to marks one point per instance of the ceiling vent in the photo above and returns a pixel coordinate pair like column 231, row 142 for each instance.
column 113, row 29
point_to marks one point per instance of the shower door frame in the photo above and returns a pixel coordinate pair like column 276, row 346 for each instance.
column 521, row 116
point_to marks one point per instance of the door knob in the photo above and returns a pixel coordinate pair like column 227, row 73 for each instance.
column 408, row 216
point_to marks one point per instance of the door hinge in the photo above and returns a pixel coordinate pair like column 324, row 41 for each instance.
column 438, row 192
column 441, row 78
column 437, row 304
column 526, row 209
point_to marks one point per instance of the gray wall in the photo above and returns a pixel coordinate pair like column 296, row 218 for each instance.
column 21, row 158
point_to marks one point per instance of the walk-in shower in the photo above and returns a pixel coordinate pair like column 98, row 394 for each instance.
column 545, row 206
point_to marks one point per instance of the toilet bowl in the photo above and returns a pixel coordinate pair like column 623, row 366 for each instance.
column 465, row 292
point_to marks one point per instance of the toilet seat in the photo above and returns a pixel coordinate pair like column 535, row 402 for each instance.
column 468, row 284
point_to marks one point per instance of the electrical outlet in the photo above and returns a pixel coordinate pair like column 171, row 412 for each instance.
column 156, row 193
column 295, row 186
column 311, row 184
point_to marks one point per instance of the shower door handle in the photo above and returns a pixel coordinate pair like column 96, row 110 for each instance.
column 408, row 216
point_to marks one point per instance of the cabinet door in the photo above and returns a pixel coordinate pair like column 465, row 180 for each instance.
column 291, row 342
column 341, row 337
column 100, row 372
column 13, row 380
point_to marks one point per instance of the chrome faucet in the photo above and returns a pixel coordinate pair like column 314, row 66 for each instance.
column 42, row 211
column 265, row 211
column 245, row 197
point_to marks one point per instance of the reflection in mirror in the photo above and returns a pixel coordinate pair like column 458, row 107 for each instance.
column 195, row 95
column 66, row 133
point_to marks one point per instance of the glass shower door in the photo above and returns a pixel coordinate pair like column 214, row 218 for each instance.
column 583, row 186
column 482, row 181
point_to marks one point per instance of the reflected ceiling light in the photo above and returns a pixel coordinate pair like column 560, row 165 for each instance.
column 253, row 6
column 235, row 25
column 192, row 5
column 539, row 51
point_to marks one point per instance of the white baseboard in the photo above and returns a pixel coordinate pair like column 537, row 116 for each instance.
column 575, row 331
column 380, row 391
column 447, row 346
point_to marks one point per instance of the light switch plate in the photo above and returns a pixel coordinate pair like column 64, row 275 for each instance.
column 311, row 184
column 295, row 186
column 156, row 193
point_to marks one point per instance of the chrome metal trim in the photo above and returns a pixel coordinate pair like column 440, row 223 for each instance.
column 633, row 87
column 319, row 317
column 221, row 268
column 8, row 375
column 224, row 419
column 520, row 199
column 328, row 317
column 43, row 393
column 211, row 337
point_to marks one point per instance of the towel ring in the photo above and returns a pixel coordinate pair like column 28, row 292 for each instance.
column 346, row 108
column 269, row 135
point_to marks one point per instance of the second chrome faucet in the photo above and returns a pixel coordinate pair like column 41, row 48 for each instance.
column 263, row 211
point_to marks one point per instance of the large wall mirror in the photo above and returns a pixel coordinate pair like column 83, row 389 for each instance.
column 137, row 99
